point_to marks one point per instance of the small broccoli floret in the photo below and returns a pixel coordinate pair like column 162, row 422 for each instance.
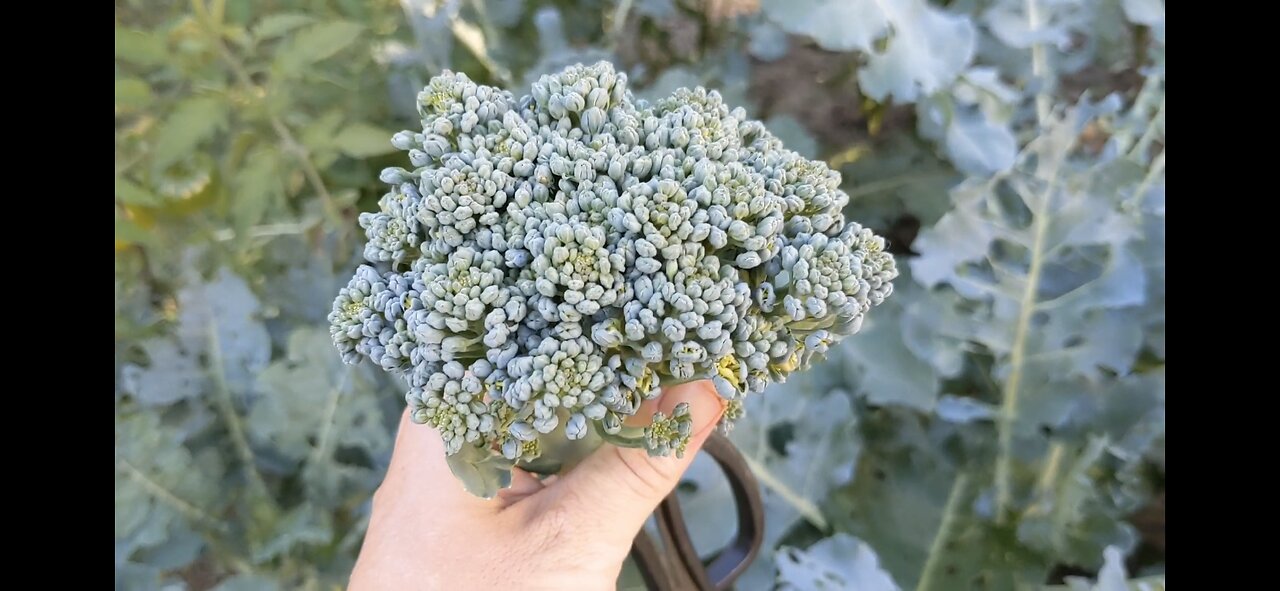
column 393, row 232
column 669, row 434
column 452, row 401
column 552, row 261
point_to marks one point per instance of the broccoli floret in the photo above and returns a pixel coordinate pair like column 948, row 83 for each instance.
column 551, row 261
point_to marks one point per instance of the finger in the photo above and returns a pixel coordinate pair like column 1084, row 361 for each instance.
column 644, row 414
column 623, row 486
column 419, row 470
column 523, row 484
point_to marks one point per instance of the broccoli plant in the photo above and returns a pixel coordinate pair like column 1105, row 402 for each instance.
column 553, row 260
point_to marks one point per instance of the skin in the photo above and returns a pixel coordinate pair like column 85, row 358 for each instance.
column 569, row 531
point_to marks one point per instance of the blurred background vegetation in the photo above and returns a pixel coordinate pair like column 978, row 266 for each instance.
column 998, row 425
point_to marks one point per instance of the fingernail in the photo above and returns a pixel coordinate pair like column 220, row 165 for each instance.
column 705, row 405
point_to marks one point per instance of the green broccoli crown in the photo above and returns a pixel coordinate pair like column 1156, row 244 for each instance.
column 553, row 260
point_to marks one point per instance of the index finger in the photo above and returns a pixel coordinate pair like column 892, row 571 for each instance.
column 419, row 470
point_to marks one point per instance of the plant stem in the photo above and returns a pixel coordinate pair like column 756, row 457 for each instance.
column 331, row 411
column 1149, row 135
column 1039, row 62
column 806, row 508
column 491, row 34
column 933, row 564
column 288, row 142
column 168, row 497
column 619, row 21
column 264, row 231
column 1049, row 474
column 1157, row 167
column 802, row 505
column 473, row 39
column 1017, row 357
column 234, row 427
column 291, row 145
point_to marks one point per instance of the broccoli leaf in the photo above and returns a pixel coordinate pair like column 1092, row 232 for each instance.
column 314, row 409
column 248, row 582
column 227, row 304
column 1048, row 254
column 175, row 371
column 979, row 146
column 1112, row 577
column 801, row 444
column 883, row 365
column 173, row 374
column 841, row 562
column 165, row 496
column 926, row 48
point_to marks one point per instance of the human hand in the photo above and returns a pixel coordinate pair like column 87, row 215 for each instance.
column 569, row 531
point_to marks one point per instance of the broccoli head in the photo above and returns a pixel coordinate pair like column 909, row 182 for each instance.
column 551, row 261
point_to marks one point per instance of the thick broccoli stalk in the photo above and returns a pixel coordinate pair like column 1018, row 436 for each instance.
column 552, row 261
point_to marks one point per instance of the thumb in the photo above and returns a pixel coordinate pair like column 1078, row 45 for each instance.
column 623, row 486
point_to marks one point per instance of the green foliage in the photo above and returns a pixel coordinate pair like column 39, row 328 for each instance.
column 801, row 450
column 244, row 452
column 839, row 562
column 1113, row 577
column 994, row 425
column 911, row 47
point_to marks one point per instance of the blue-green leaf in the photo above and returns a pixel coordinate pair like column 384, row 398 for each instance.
column 248, row 582
column 305, row 524
column 819, row 456
column 172, row 374
column 504, row 13
column 1146, row 12
column 310, row 406
column 228, row 305
column 839, row 563
column 1113, row 577
column 175, row 371
column 793, row 135
column 835, row 24
column 925, row 47
column 962, row 410
column 928, row 49
column 978, row 145
column 164, row 494
column 768, row 41
column 883, row 366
